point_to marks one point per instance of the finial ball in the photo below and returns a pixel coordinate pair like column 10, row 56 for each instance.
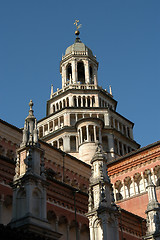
column 77, row 32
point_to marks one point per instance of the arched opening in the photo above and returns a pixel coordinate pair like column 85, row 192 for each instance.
column 36, row 203
column 61, row 144
column 67, row 102
column 64, row 103
column 79, row 101
column 84, row 101
column 21, row 203
column 60, row 105
column 69, row 71
column 116, row 146
column 74, row 101
column 91, row 133
column 51, row 216
column 62, row 227
column 93, row 101
column 128, row 187
column 119, row 190
column 55, row 144
column 54, row 108
column 88, row 101
column 105, row 143
column 80, row 71
column 57, row 106
column 84, row 134
column 91, row 75
column 73, row 143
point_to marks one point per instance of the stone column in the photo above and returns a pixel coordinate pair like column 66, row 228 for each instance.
column 87, row 132
column 132, row 178
column 66, row 143
column 131, row 133
column 143, row 181
column 95, row 76
column 106, row 119
column 81, row 135
column 74, row 71
column 94, row 129
column 87, row 80
column 77, row 143
column 77, row 101
column 81, row 101
column 114, row 190
column 124, row 190
column 111, row 144
column 59, row 122
column 154, row 180
column 43, row 130
column 76, row 117
column 63, row 76
column 100, row 136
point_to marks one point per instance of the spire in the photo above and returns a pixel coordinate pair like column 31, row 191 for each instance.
column 152, row 196
column 102, row 211
column 30, row 131
column 153, row 212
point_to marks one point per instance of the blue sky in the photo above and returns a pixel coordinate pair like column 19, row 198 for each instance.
column 123, row 34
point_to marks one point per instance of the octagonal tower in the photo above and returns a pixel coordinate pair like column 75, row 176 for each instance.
column 82, row 113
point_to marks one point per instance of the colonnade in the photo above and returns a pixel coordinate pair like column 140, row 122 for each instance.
column 51, row 126
column 79, row 71
column 121, row 148
column 69, row 229
column 89, row 133
column 127, row 131
column 136, row 184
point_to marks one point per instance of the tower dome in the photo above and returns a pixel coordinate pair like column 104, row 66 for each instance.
column 78, row 65
column 78, row 47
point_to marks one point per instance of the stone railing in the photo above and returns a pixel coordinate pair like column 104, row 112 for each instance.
column 75, row 86
column 83, row 53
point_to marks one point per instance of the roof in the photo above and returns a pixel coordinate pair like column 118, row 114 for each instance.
column 78, row 46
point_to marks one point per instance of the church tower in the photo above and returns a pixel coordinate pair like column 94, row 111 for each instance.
column 81, row 113
column 102, row 211
column 29, row 184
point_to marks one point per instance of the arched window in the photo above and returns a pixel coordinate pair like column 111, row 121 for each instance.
column 91, row 75
column 84, row 101
column 119, row 190
column 128, row 186
column 55, row 144
column 64, row 103
column 67, row 102
column 79, row 101
column 61, row 144
column 88, row 101
column 73, row 143
column 80, row 71
column 74, row 101
column 60, row 105
column 93, row 101
column 69, row 71
column 53, row 108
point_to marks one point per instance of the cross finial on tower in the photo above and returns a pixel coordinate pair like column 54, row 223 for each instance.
column 77, row 27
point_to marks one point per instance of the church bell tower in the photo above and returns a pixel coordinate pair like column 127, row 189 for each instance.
column 82, row 113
